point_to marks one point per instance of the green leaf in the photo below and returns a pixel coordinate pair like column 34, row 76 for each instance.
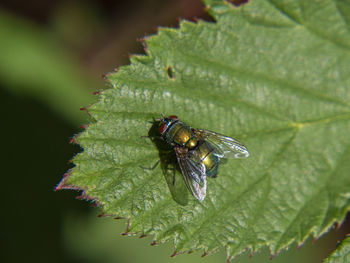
column 274, row 75
column 341, row 254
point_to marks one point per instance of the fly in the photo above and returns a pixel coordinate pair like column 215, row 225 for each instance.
column 198, row 152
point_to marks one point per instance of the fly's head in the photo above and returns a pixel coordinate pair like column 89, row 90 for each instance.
column 165, row 123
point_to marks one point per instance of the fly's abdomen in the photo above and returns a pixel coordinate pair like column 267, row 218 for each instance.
column 204, row 154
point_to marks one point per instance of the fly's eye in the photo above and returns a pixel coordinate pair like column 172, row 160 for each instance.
column 162, row 127
column 173, row 117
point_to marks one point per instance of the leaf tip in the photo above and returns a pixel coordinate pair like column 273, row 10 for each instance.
column 299, row 246
column 129, row 234
column 86, row 108
column 143, row 42
column 108, row 74
column 63, row 185
column 84, row 196
column 175, row 253
column 206, row 253
column 74, row 138
column 103, row 215
column 154, row 243
column 98, row 92
column 252, row 254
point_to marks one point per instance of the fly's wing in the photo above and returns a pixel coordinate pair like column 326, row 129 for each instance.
column 225, row 147
column 193, row 174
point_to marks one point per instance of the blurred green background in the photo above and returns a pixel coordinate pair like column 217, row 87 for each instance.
column 52, row 57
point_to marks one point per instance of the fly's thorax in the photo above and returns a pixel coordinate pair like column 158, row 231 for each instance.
column 204, row 154
column 182, row 135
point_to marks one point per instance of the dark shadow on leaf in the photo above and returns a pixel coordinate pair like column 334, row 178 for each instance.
column 170, row 72
column 169, row 166
column 237, row 3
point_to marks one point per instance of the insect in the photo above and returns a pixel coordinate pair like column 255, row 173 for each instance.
column 198, row 152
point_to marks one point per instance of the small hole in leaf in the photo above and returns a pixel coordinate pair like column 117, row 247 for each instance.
column 170, row 72
column 238, row 2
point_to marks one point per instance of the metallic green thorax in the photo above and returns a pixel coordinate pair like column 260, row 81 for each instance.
column 182, row 135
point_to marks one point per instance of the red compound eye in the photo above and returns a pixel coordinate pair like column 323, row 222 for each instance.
column 173, row 117
column 162, row 127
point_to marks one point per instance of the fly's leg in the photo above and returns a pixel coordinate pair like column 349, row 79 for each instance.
column 152, row 137
column 151, row 168
column 174, row 170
